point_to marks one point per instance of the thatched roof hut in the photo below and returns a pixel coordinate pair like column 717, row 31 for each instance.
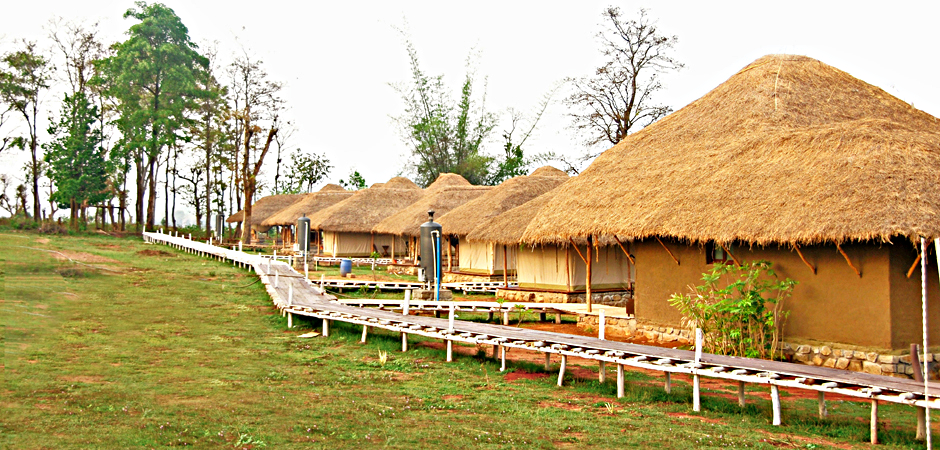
column 788, row 150
column 366, row 208
column 512, row 193
column 327, row 196
column 507, row 228
column 446, row 193
column 265, row 207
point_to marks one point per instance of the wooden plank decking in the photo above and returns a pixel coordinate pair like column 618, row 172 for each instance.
column 293, row 294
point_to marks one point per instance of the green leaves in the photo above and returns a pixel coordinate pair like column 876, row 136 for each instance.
column 77, row 163
column 738, row 308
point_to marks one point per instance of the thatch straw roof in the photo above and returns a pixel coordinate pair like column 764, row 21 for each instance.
column 367, row 207
column 446, row 193
column 511, row 193
column 329, row 195
column 265, row 207
column 788, row 150
column 508, row 227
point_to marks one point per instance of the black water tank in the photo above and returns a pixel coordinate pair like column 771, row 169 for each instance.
column 428, row 242
column 303, row 234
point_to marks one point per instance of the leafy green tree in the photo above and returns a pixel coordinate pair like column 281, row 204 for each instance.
column 354, row 182
column 153, row 78
column 444, row 136
column 77, row 162
column 26, row 73
column 209, row 134
column 305, row 171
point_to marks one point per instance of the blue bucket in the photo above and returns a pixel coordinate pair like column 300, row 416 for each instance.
column 345, row 267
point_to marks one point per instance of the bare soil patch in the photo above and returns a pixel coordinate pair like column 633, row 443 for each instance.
column 521, row 375
column 64, row 255
column 700, row 418
column 150, row 252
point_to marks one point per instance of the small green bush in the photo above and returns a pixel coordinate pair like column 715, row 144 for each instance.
column 739, row 309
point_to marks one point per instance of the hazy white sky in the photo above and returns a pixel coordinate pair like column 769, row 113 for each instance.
column 338, row 58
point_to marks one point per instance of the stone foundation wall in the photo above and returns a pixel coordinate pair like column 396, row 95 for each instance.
column 619, row 298
column 451, row 277
column 856, row 361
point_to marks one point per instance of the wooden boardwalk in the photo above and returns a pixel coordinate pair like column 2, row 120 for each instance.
column 294, row 294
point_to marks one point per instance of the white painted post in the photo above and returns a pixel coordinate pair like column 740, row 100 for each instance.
column 322, row 280
column 450, row 350
column 210, row 240
column 502, row 352
column 450, row 317
column 190, row 236
column 404, row 342
column 365, row 331
column 239, row 245
column 775, row 403
column 561, row 371
column 290, row 320
column 823, row 412
column 620, row 380
column 306, row 270
column 601, row 324
column 696, row 392
column 602, row 372
column 506, row 317
column 406, row 303
column 326, row 327
column 874, row 421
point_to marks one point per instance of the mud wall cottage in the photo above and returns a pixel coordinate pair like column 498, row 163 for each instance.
column 447, row 192
column 790, row 160
column 486, row 261
column 557, row 272
column 308, row 205
column 347, row 225
column 262, row 209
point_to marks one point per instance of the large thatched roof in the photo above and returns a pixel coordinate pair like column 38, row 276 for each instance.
column 788, row 150
column 265, row 207
column 362, row 211
column 446, row 193
column 329, row 195
column 511, row 193
column 508, row 226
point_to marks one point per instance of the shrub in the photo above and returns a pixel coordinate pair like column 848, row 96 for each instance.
column 739, row 309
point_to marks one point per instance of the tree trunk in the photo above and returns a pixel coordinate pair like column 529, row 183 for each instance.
column 141, row 174
column 33, row 144
column 152, row 198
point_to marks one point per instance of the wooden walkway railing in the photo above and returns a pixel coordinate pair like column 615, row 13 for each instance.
column 294, row 294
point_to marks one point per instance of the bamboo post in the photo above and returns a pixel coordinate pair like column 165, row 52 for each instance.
column 620, row 380
column 874, row 421
column 741, row 397
column 588, row 273
column 502, row 351
column 696, row 392
column 557, row 317
column 505, row 268
column 449, row 259
column 561, row 370
column 823, row 412
column 775, row 403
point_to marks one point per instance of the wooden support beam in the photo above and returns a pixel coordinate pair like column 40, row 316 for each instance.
column 914, row 266
column 548, row 361
column 587, row 295
column 668, row 384
column 602, row 372
column 561, row 370
column 667, row 250
column 823, row 412
column 741, row 396
column 775, row 404
column 577, row 250
column 625, row 252
column 505, row 267
column 619, row 380
column 874, row 421
column 728, row 252
column 857, row 272
column 365, row 332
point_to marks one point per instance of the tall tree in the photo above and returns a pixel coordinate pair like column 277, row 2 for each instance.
column 305, row 171
column 257, row 106
column 77, row 162
column 444, row 136
column 25, row 76
column 152, row 75
column 618, row 98
column 208, row 133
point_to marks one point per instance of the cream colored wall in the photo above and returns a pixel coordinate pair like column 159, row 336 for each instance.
column 543, row 267
column 359, row 244
column 562, row 269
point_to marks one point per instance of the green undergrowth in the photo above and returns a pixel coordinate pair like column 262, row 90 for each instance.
column 143, row 346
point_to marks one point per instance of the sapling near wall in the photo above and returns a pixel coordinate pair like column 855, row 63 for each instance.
column 739, row 309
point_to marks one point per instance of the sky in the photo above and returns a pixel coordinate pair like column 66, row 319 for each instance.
column 339, row 59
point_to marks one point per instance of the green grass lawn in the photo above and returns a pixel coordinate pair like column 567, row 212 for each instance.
column 168, row 349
